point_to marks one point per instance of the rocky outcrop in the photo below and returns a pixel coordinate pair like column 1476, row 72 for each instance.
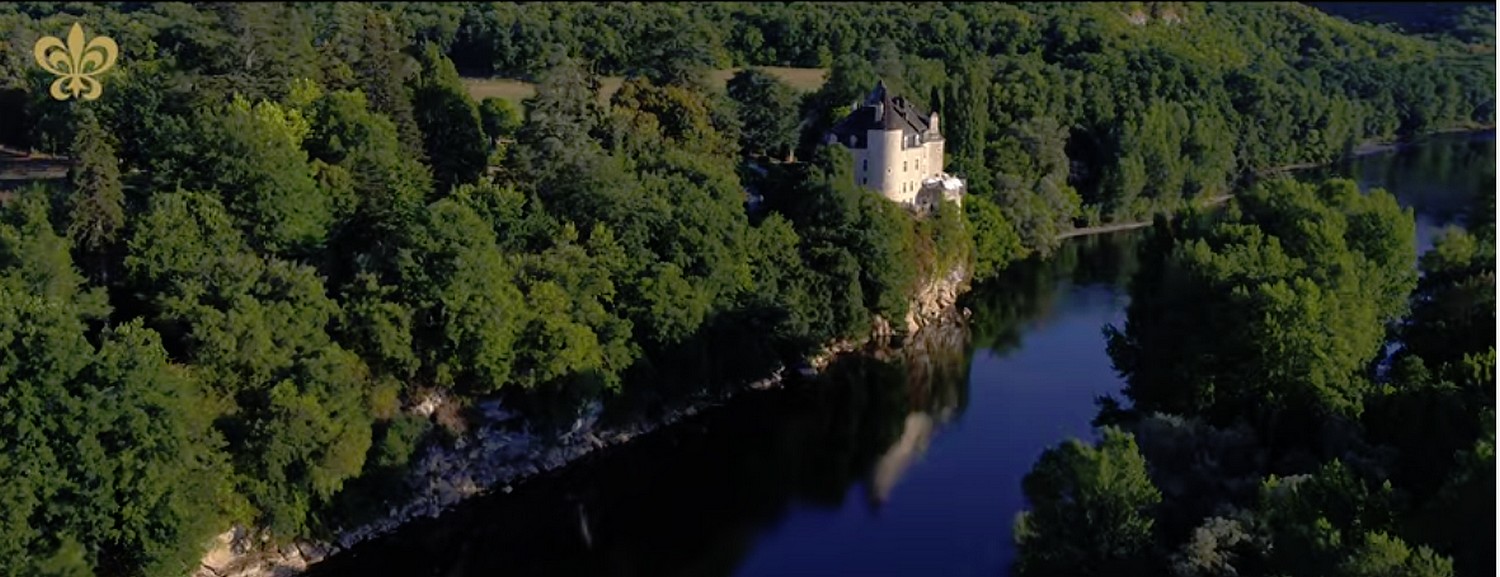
column 502, row 449
column 933, row 303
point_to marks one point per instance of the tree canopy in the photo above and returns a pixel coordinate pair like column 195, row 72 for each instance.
column 286, row 224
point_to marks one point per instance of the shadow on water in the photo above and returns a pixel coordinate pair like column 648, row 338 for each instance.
column 691, row 499
column 695, row 498
column 1031, row 291
column 801, row 480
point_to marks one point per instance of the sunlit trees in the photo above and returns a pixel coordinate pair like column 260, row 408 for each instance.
column 1090, row 510
column 1296, row 287
column 109, row 451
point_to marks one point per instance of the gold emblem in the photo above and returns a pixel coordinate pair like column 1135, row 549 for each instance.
column 76, row 63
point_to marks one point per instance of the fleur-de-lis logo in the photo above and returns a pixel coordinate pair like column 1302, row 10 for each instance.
column 76, row 63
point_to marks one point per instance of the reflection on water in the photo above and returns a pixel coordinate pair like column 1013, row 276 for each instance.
column 860, row 472
column 689, row 501
column 906, row 465
column 1437, row 178
column 1032, row 290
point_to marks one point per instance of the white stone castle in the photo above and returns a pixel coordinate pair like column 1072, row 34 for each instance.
column 897, row 151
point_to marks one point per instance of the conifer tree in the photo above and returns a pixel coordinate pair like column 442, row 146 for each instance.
column 95, row 204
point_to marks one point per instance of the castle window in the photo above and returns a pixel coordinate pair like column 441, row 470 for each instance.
column 903, row 166
column 867, row 165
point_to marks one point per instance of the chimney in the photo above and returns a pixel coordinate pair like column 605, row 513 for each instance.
column 932, row 124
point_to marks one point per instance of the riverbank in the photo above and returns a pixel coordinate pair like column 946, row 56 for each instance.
column 502, row 450
column 1364, row 149
column 1369, row 147
column 1123, row 226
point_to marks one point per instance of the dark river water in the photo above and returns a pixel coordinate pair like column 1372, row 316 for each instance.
column 899, row 467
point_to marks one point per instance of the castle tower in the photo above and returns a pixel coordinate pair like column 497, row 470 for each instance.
column 898, row 150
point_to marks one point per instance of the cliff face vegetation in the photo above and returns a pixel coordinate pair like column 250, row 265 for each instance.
column 284, row 225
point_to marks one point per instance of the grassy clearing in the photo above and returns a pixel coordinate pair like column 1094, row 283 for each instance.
column 801, row 79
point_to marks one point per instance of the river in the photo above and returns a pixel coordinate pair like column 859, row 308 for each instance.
column 885, row 467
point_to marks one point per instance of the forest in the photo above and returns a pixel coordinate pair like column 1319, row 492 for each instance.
column 1305, row 397
column 284, row 223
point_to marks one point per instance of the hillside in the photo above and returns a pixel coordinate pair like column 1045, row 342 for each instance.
column 288, row 226
column 1468, row 22
column 800, row 79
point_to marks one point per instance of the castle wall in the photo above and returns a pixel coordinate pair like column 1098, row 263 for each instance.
column 912, row 167
column 863, row 166
column 885, row 174
column 893, row 171
column 935, row 156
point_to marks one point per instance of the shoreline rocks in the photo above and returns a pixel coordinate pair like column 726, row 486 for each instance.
column 502, row 450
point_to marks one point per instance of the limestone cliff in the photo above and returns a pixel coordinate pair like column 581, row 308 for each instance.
column 933, row 303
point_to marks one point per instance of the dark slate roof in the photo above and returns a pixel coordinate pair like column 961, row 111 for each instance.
column 894, row 113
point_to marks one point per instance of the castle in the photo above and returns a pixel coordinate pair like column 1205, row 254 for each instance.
column 897, row 151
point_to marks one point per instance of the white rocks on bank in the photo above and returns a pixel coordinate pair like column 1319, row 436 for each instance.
column 501, row 450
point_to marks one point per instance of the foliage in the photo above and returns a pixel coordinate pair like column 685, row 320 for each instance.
column 499, row 118
column 767, row 112
column 1091, row 510
column 282, row 223
column 996, row 243
column 107, row 442
column 1295, row 285
column 450, row 123
column 1328, row 458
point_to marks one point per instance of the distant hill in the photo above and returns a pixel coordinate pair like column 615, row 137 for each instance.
column 1469, row 22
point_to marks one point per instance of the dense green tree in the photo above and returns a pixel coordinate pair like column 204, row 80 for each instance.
column 252, row 157
column 768, row 112
column 966, row 118
column 996, row 243
column 468, row 311
column 1295, row 290
column 1030, row 168
column 1316, row 522
column 878, row 234
column 1453, row 310
column 1090, row 510
column 265, row 47
column 1381, row 554
column 257, row 330
column 106, row 442
column 95, row 203
column 382, row 71
column 69, row 560
column 571, row 331
column 499, row 118
column 560, row 122
column 780, row 279
column 1459, row 518
column 451, row 130
column 680, row 114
